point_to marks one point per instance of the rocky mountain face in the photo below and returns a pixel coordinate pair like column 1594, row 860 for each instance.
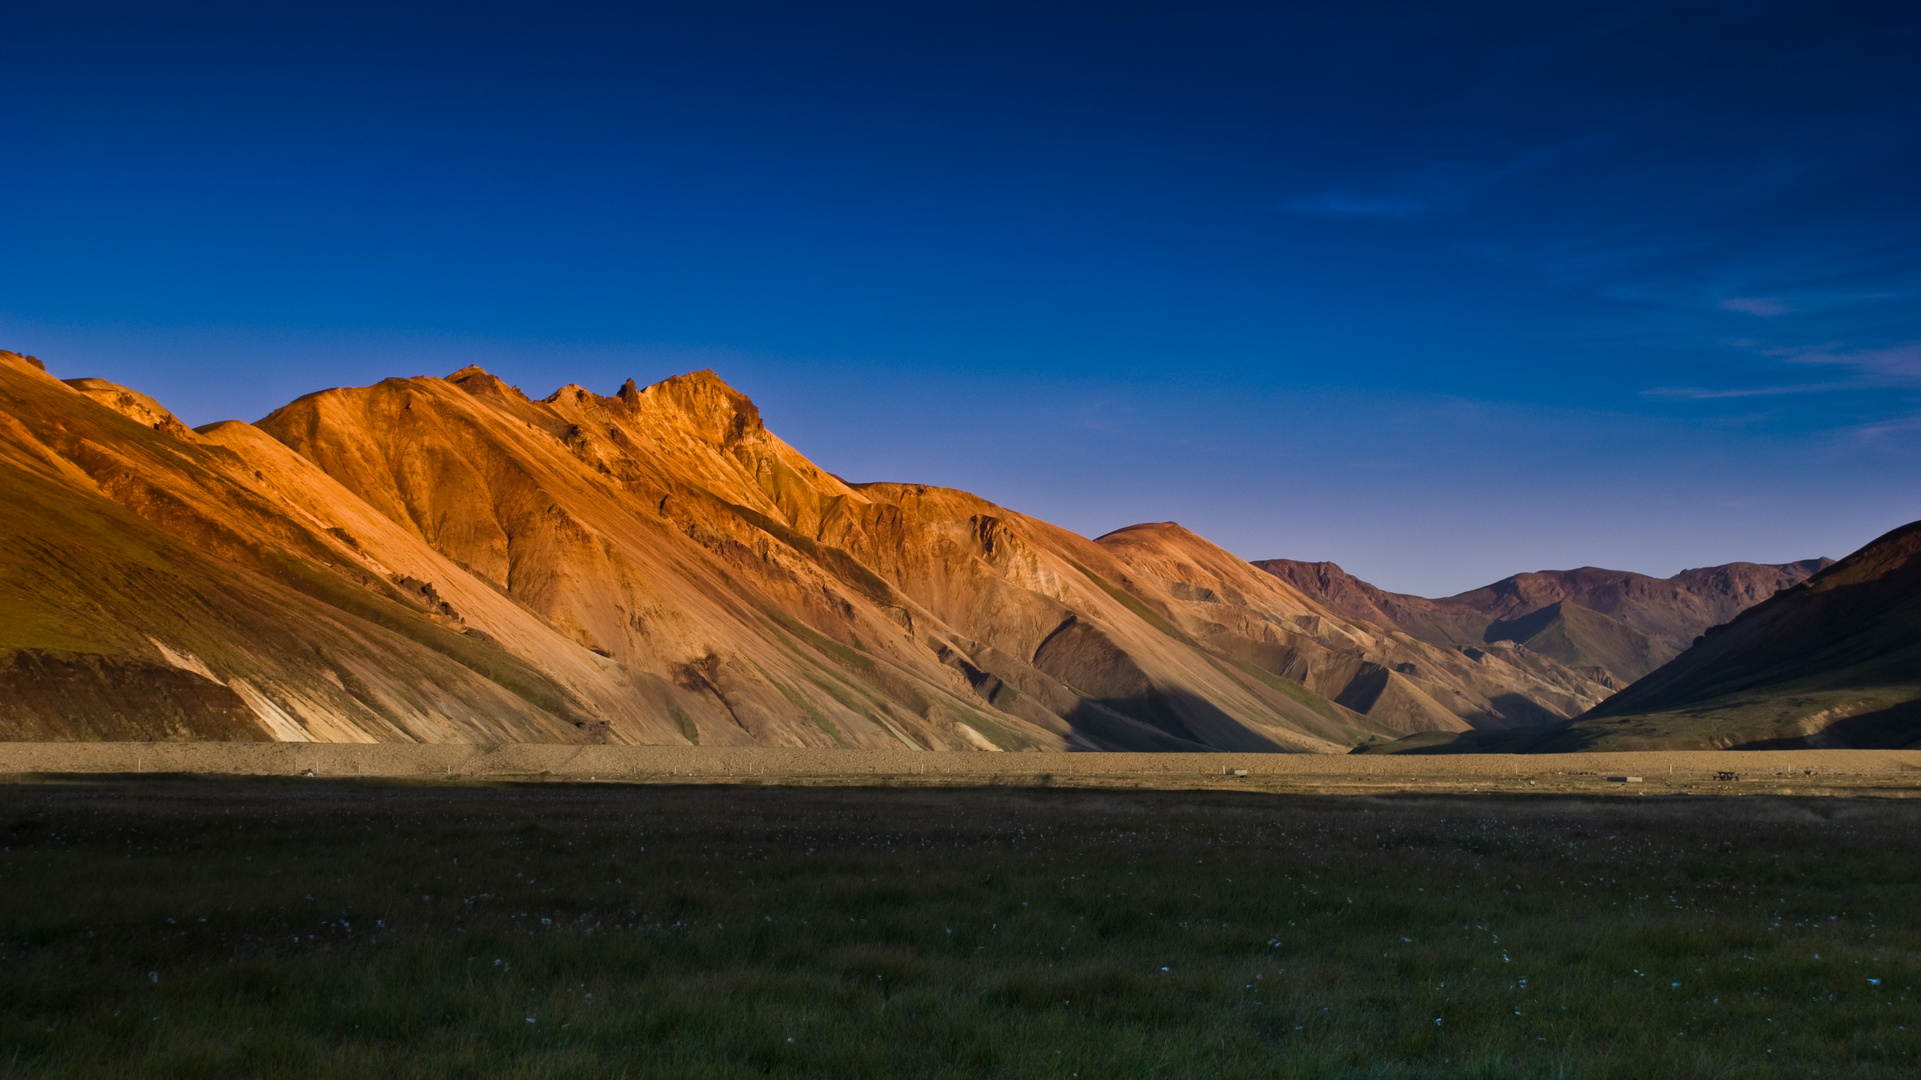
column 450, row 560
column 1611, row 625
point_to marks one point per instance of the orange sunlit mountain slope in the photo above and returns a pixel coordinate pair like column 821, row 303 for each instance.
column 449, row 560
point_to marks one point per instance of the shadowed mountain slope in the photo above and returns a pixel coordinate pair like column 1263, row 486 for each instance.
column 1396, row 679
column 1623, row 624
column 1835, row 661
column 1832, row 662
column 448, row 559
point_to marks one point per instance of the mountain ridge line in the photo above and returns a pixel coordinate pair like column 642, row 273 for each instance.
column 449, row 560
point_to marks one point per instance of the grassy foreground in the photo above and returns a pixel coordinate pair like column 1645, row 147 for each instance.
column 174, row 927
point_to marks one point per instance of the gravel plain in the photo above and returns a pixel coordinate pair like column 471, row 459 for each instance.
column 1895, row 773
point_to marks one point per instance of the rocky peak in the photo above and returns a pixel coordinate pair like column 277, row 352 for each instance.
column 131, row 404
column 702, row 401
column 1172, row 529
column 480, row 382
column 24, row 363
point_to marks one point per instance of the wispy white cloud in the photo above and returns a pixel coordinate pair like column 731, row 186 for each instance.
column 1894, row 367
column 1897, row 433
column 1695, row 393
column 1896, row 363
column 1765, row 306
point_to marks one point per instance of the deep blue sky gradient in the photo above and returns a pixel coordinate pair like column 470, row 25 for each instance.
column 1440, row 292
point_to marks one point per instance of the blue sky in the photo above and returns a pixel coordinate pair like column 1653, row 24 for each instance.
column 1439, row 292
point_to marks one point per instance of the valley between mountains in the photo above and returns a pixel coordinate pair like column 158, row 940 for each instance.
column 450, row 560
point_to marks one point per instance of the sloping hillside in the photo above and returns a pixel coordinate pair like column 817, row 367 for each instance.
column 154, row 584
column 1832, row 662
column 1835, row 661
column 448, row 559
column 1393, row 677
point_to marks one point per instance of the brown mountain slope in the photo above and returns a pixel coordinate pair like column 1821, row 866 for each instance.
column 1395, row 678
column 668, row 529
column 449, row 560
column 1835, row 661
column 1623, row 623
column 1832, row 662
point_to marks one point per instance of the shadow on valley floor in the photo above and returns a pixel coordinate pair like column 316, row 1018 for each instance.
column 1165, row 720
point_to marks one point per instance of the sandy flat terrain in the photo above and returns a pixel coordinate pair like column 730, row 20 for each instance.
column 1883, row 772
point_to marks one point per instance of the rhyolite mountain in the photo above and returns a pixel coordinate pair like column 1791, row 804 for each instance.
column 450, row 560
column 1613, row 625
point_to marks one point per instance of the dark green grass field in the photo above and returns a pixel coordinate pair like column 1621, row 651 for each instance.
column 179, row 927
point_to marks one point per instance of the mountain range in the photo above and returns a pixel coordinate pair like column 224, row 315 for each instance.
column 1610, row 624
column 450, row 559
column 1832, row 662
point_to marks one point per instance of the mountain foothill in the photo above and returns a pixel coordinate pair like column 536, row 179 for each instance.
column 451, row 560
